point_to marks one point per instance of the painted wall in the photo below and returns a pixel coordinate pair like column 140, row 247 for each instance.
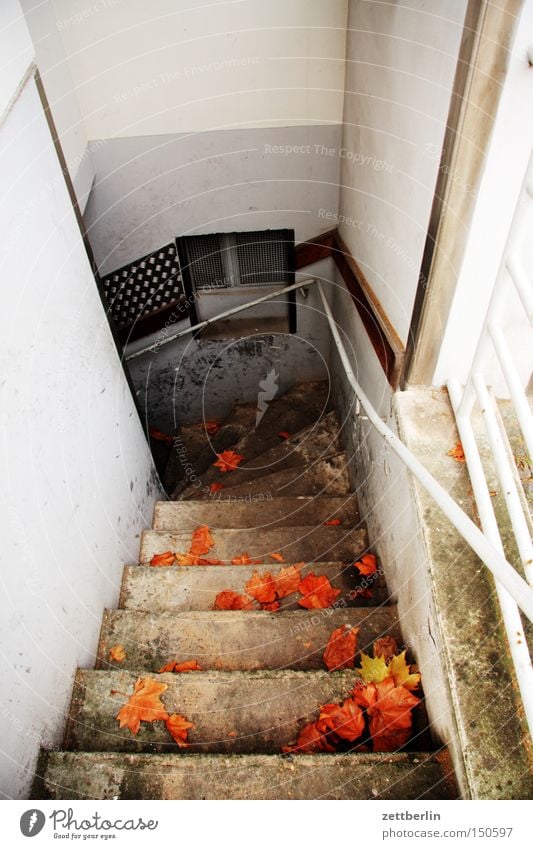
column 78, row 483
column 172, row 66
column 59, row 86
column 150, row 189
column 400, row 64
column 507, row 159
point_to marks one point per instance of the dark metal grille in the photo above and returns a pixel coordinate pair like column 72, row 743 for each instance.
column 204, row 258
column 146, row 285
column 263, row 257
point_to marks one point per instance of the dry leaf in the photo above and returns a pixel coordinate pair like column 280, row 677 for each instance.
column 165, row 559
column 202, row 541
column 283, row 434
column 373, row 669
column 346, row 720
column 367, row 565
column 216, row 487
column 402, row 674
column 178, row 727
column 182, row 666
column 228, row 461
column 332, row 523
column 262, row 587
column 117, row 653
column 385, row 647
column 317, row 591
column 457, row 453
column 244, row 560
column 160, row 436
column 287, row 580
column 230, row 600
column 144, row 705
column 277, row 556
column 341, row 648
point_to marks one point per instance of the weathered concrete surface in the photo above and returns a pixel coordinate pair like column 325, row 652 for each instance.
column 279, row 512
column 324, row 477
column 232, row 712
column 79, row 775
column 311, row 544
column 195, row 587
column 233, row 640
column 493, row 741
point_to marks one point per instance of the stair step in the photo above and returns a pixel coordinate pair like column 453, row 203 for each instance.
column 232, row 712
column 233, row 640
column 295, row 544
column 315, row 442
column 274, row 513
column 196, row 449
column 112, row 775
column 195, row 587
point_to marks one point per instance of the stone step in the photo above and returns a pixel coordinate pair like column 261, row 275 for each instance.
column 233, row 640
column 295, row 544
column 196, row 450
column 324, row 477
column 232, row 712
column 116, row 775
column 274, row 513
column 195, row 587
column 318, row 441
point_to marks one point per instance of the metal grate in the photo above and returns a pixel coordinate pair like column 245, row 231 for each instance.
column 227, row 260
column 146, row 285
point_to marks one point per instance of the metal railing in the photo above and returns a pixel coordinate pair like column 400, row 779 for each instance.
column 511, row 275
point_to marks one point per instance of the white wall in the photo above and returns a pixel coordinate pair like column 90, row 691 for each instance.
column 400, row 64
column 57, row 80
column 172, row 66
column 507, row 158
column 78, row 484
column 17, row 50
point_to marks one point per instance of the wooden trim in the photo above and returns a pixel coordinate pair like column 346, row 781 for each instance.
column 387, row 344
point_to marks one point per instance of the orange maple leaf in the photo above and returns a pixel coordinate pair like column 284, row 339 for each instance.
column 228, row 461
column 144, row 705
column 165, row 559
column 346, row 721
column 385, row 647
column 287, row 580
column 230, row 600
column 182, row 666
column 332, row 522
column 160, row 436
column 244, row 560
column 284, row 434
column 310, row 740
column 277, row 556
column 216, row 487
column 457, row 453
column 367, row 565
column 389, row 709
column 262, row 587
column 341, row 648
column 317, row 591
column 117, row 653
column 178, row 727
column 202, row 541
column 272, row 606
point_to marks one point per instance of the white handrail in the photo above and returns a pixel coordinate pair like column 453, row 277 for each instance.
column 202, row 324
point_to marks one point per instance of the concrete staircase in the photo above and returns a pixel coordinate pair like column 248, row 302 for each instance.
column 263, row 676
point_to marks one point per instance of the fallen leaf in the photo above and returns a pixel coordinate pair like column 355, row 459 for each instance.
column 202, row 541
column 402, row 674
column 160, row 436
column 182, row 666
column 385, row 647
column 307, row 645
column 287, row 580
column 144, row 705
column 341, row 648
column 317, row 592
column 216, row 487
column 310, row 740
column 388, row 707
column 228, row 461
column 212, row 426
column 367, row 565
column 363, row 592
column 117, row 653
column 165, row 559
column 373, row 669
column 271, row 606
column 346, row 721
column 185, row 559
column 457, row 453
column 277, row 556
column 261, row 587
column 244, row 560
column 283, row 434
column 178, row 727
column 332, row 522
column 230, row 600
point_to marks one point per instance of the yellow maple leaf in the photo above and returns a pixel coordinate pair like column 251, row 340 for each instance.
column 401, row 672
column 373, row 669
